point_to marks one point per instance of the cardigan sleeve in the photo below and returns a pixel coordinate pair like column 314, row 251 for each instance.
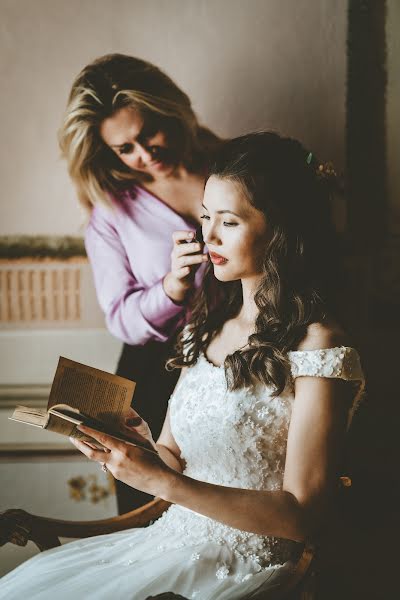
column 133, row 313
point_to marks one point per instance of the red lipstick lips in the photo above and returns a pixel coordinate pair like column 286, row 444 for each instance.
column 217, row 259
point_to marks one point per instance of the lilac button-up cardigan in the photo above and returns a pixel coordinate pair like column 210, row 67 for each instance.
column 129, row 246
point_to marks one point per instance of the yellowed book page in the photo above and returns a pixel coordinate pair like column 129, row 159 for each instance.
column 94, row 392
column 31, row 416
column 41, row 418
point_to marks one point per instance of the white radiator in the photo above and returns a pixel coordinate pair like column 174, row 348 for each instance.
column 48, row 294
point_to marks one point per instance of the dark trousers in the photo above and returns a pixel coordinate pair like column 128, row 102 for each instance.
column 154, row 384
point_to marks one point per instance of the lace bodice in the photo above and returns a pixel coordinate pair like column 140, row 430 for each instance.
column 235, row 438
column 238, row 439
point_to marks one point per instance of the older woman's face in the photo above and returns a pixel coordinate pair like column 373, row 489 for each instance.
column 138, row 144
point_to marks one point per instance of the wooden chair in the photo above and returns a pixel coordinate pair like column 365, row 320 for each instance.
column 18, row 527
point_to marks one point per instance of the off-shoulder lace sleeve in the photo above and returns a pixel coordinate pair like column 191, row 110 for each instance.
column 341, row 363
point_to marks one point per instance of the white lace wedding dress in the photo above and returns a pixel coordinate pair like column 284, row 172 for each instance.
column 234, row 439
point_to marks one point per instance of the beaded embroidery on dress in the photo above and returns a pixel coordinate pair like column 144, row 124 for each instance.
column 230, row 438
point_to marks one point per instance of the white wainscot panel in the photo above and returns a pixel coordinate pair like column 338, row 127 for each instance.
column 40, row 471
column 70, row 488
column 31, row 357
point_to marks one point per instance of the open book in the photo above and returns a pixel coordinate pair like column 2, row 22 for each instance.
column 83, row 395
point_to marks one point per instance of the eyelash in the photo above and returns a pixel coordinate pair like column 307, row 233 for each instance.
column 207, row 218
column 127, row 149
column 147, row 134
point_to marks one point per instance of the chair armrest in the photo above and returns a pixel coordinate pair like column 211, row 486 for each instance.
column 300, row 584
column 18, row 527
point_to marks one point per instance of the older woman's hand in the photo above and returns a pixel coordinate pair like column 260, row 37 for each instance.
column 133, row 465
column 186, row 256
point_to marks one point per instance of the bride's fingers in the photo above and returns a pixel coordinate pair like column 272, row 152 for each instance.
column 132, row 430
column 91, row 445
column 137, row 425
column 89, row 451
column 131, row 414
column 142, row 430
column 131, row 418
column 105, row 440
column 136, row 438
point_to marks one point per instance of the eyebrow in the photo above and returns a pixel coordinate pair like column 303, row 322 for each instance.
column 221, row 212
column 125, row 143
column 120, row 145
column 141, row 137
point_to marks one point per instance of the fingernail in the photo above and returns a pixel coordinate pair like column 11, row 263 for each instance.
column 190, row 235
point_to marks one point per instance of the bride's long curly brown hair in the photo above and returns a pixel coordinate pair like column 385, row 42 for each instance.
column 301, row 274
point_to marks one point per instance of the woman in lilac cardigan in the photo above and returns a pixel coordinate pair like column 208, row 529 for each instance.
column 138, row 159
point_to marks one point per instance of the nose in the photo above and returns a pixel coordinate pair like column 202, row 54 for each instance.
column 210, row 234
column 143, row 155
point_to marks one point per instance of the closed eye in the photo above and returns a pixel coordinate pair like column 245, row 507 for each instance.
column 225, row 223
column 125, row 149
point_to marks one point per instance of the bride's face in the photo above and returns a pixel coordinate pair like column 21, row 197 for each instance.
column 234, row 231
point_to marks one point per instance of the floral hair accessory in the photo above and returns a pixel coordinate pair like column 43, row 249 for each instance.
column 324, row 171
column 327, row 171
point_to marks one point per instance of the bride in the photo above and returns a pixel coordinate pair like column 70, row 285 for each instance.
column 250, row 450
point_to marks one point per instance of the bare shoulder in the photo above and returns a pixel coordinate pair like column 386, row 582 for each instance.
column 323, row 335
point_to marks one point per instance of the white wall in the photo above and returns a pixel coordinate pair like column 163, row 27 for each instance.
column 247, row 64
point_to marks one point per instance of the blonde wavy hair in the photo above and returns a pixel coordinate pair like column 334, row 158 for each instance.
column 101, row 89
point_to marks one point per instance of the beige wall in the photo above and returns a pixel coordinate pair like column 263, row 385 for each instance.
column 247, row 64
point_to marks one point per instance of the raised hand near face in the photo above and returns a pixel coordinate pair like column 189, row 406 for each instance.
column 186, row 256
